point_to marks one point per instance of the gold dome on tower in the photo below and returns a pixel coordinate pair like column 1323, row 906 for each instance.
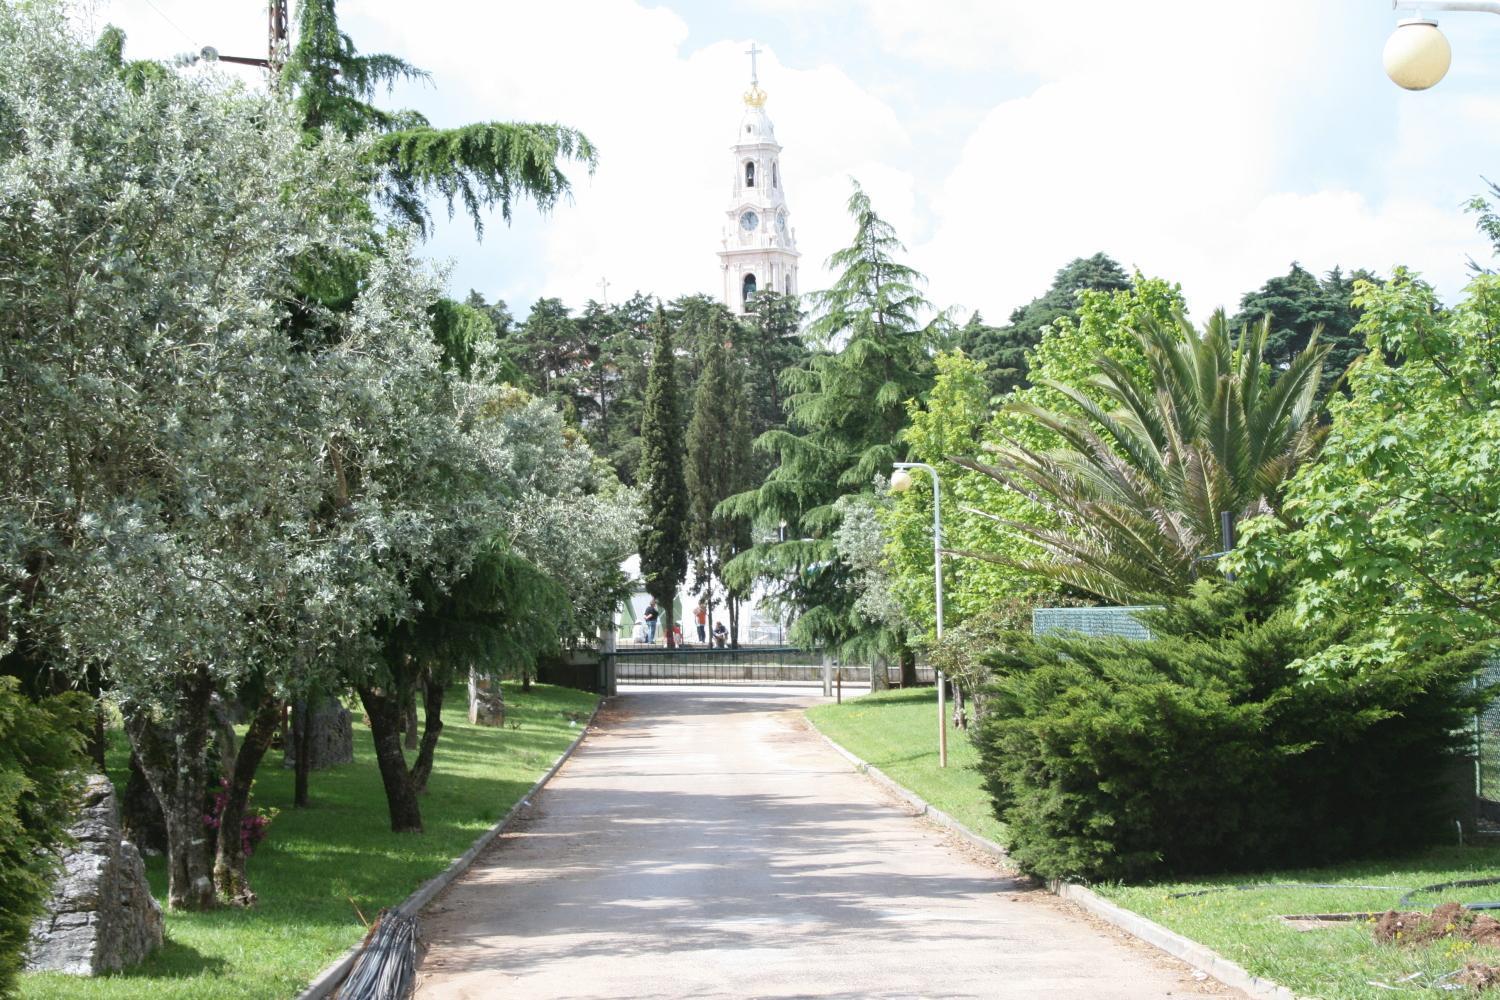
column 755, row 97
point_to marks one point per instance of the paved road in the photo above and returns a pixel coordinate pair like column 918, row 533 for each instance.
column 705, row 843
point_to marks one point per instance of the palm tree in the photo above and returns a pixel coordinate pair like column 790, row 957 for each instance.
column 1137, row 487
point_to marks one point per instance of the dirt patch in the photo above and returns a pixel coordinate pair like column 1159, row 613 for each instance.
column 613, row 711
column 1478, row 976
column 1447, row 920
column 1191, row 981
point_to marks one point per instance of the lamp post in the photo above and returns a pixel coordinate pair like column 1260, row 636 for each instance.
column 900, row 483
column 1417, row 55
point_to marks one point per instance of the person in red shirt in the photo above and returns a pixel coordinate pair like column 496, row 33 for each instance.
column 700, row 615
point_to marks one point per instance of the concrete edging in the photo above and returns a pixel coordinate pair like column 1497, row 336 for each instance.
column 1229, row 973
column 922, row 806
column 326, row 982
column 1174, row 944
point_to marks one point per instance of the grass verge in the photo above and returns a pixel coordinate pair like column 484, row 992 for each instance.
column 897, row 732
column 323, row 865
column 1339, row 962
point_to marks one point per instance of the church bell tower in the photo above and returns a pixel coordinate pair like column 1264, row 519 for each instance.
column 760, row 247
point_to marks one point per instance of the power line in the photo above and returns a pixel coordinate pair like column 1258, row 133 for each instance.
column 162, row 14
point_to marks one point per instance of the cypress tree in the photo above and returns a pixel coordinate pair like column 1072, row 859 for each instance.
column 718, row 443
column 663, row 537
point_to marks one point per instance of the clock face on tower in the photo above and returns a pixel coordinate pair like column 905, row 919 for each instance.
column 748, row 221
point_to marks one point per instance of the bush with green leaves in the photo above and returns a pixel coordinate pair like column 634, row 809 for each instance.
column 41, row 771
column 1208, row 749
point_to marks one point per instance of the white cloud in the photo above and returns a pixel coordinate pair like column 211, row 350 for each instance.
column 663, row 118
column 1163, row 135
column 1189, row 138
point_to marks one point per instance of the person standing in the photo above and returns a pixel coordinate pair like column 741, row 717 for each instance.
column 649, row 617
column 700, row 615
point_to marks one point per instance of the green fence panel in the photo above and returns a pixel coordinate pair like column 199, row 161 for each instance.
column 1103, row 623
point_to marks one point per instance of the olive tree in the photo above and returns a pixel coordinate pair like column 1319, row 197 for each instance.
column 170, row 448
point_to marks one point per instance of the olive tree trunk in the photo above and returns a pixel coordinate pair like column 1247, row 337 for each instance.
column 432, row 727
column 387, row 711
column 229, row 859
column 173, row 755
column 302, row 734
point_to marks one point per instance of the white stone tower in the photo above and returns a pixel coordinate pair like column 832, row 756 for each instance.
column 760, row 246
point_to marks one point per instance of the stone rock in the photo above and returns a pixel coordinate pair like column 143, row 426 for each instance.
column 332, row 736
column 486, row 703
column 102, row 916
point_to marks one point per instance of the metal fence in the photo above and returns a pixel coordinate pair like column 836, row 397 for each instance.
column 1487, row 749
column 1098, row 622
column 746, row 665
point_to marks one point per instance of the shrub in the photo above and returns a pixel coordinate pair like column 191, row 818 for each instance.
column 41, row 770
column 1206, row 749
column 965, row 652
column 255, row 822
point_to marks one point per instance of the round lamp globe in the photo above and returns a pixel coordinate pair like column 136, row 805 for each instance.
column 1417, row 55
column 900, row 481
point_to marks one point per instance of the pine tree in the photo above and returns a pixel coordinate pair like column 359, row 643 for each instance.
column 718, row 444
column 1005, row 350
column 482, row 165
column 1300, row 304
column 663, row 536
column 846, row 409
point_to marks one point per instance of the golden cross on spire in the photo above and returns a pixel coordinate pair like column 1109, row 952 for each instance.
column 754, row 97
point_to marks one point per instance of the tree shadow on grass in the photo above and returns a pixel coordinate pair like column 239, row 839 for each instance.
column 175, row 961
column 888, row 762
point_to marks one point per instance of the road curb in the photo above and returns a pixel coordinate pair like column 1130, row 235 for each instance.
column 1174, row 944
column 1229, row 973
column 326, row 982
column 921, row 805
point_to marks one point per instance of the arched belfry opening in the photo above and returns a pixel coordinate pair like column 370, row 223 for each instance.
column 749, row 173
column 747, row 290
column 775, row 176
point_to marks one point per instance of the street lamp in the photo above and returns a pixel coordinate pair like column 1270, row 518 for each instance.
column 1417, row 55
column 901, row 482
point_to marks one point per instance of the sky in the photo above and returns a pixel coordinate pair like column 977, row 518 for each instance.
column 1208, row 143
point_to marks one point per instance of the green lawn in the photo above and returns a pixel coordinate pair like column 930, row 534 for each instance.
column 897, row 732
column 321, row 863
column 1337, row 963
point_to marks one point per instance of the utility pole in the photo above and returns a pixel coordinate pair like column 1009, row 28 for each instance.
column 900, row 483
column 276, row 49
column 276, row 44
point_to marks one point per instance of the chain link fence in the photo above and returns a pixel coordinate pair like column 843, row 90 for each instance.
column 1487, row 751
